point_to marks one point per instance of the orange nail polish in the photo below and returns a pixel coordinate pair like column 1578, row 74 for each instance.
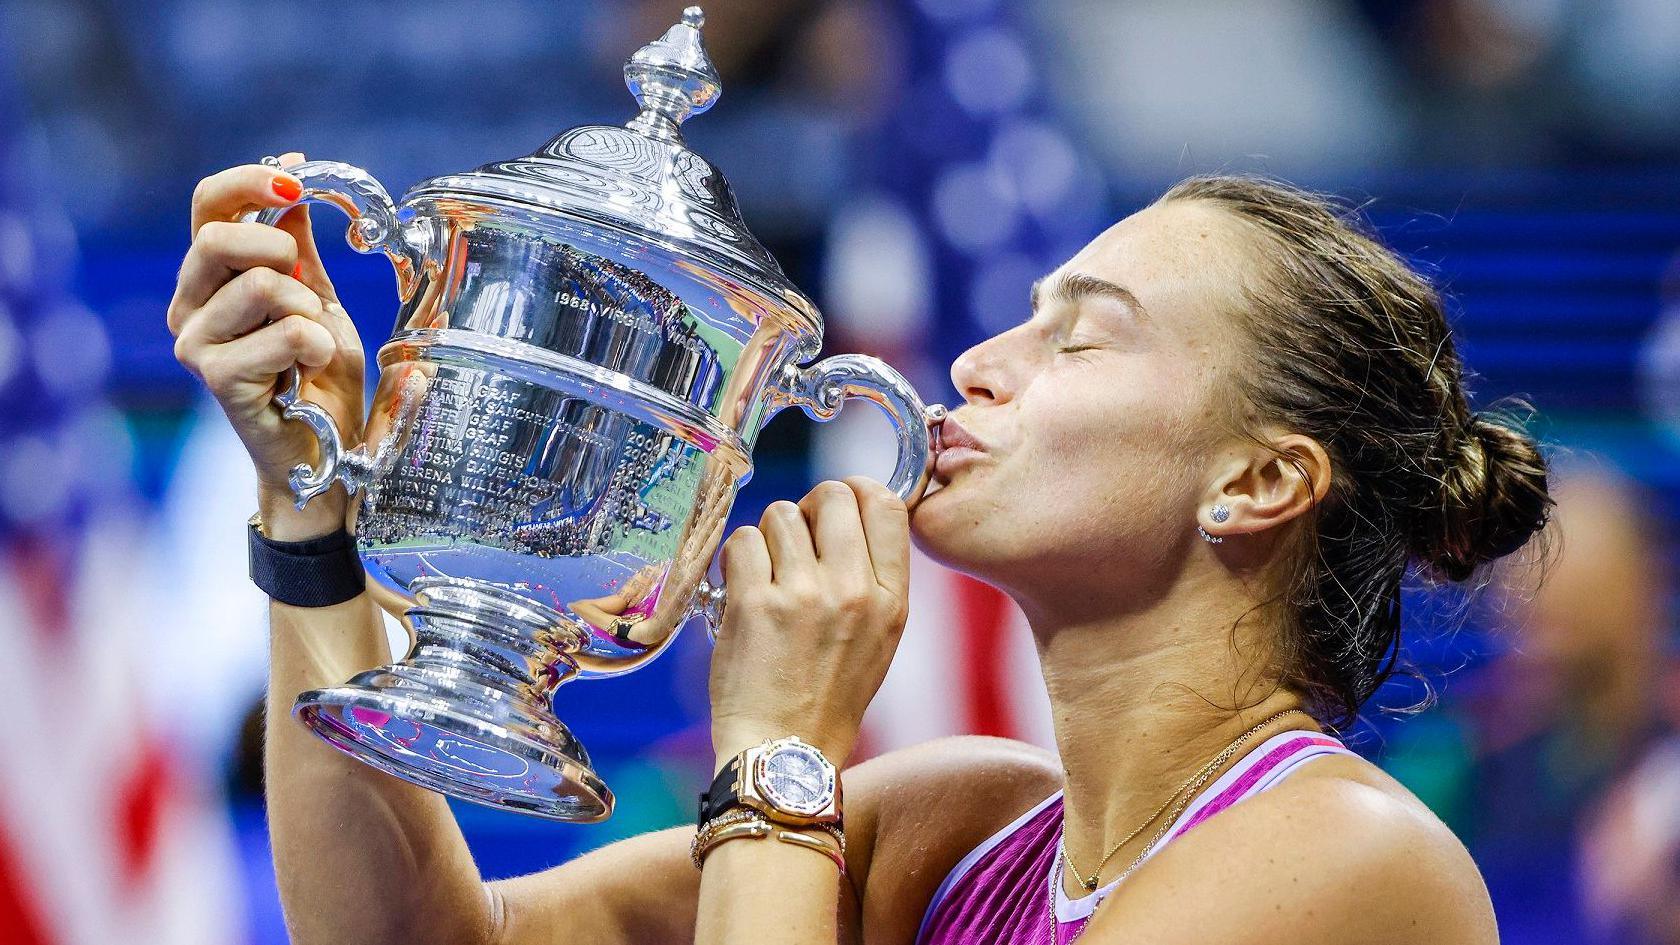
column 297, row 272
column 288, row 188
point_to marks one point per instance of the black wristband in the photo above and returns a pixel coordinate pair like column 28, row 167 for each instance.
column 319, row 572
column 721, row 795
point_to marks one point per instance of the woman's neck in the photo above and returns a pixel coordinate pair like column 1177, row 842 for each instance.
column 1140, row 702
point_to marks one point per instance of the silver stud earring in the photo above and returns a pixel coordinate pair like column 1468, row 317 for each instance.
column 1218, row 513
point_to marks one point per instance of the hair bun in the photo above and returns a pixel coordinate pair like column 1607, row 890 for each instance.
column 1492, row 499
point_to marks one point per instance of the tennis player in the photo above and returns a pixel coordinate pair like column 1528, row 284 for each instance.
column 1202, row 463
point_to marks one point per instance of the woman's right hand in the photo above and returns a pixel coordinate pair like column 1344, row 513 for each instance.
column 251, row 301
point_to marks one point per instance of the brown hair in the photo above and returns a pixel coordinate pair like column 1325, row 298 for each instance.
column 1351, row 347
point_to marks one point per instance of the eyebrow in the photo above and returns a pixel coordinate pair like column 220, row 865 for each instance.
column 1077, row 285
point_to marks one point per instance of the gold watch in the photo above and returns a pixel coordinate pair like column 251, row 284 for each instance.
column 787, row 780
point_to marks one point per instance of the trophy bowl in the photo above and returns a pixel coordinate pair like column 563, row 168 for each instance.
column 588, row 343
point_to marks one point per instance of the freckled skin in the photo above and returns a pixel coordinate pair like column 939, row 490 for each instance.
column 1093, row 456
column 1103, row 430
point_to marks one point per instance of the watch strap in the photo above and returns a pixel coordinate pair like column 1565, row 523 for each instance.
column 722, row 794
column 317, row 572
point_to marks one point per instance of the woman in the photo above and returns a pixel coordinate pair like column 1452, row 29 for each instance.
column 1201, row 466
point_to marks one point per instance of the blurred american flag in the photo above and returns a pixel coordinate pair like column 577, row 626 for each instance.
column 977, row 192
column 107, row 833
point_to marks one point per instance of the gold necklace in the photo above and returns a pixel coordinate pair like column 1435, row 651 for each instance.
column 1091, row 883
column 1183, row 794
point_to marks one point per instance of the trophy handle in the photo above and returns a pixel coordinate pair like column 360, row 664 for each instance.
column 374, row 226
column 821, row 390
column 337, row 463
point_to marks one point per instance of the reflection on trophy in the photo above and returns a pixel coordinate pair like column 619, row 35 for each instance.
column 588, row 344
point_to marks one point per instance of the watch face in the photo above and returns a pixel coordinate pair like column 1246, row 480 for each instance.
column 796, row 779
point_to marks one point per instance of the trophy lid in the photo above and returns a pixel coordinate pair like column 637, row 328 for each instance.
column 640, row 177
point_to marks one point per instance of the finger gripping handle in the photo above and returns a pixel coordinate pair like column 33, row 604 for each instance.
column 374, row 226
column 336, row 462
column 374, row 223
column 823, row 389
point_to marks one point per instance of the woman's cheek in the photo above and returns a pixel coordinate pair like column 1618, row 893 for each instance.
column 1133, row 465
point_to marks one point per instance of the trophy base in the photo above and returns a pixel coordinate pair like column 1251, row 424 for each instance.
column 422, row 741
column 466, row 713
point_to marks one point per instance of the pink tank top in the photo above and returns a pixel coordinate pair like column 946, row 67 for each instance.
column 1000, row 893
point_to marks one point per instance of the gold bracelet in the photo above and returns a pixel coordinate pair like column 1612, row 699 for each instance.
column 835, row 851
column 706, row 836
column 745, row 822
column 833, row 831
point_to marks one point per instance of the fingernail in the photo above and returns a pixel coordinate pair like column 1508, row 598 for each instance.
column 288, row 187
column 297, row 272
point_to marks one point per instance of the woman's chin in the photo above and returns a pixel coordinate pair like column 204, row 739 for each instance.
column 937, row 528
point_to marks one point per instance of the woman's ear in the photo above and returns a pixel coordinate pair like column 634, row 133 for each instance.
column 1267, row 488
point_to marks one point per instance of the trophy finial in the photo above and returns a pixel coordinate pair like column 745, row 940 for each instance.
column 672, row 78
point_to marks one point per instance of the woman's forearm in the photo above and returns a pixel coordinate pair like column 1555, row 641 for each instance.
column 766, row 891
column 769, row 893
column 360, row 856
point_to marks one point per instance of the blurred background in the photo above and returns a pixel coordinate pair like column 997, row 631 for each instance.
column 914, row 164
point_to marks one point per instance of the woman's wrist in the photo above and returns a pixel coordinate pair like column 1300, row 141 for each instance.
column 729, row 741
column 282, row 520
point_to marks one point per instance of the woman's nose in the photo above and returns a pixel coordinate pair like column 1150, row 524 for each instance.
column 976, row 374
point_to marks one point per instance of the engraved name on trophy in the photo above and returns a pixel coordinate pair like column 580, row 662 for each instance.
column 588, row 343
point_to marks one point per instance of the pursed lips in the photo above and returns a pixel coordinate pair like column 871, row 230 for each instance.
column 957, row 447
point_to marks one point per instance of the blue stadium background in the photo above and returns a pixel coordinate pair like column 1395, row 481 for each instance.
column 1529, row 154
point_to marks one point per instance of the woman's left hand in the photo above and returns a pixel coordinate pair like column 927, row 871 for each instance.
column 818, row 593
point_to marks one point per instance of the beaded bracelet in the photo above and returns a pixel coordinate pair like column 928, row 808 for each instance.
column 829, row 840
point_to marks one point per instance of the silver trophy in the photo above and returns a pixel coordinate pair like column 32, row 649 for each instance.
column 588, row 343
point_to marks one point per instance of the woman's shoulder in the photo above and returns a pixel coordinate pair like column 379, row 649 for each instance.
column 957, row 763
column 925, row 807
column 1338, row 851
column 967, row 786
column 976, row 780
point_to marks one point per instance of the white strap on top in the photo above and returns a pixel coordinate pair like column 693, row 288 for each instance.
column 1072, row 910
